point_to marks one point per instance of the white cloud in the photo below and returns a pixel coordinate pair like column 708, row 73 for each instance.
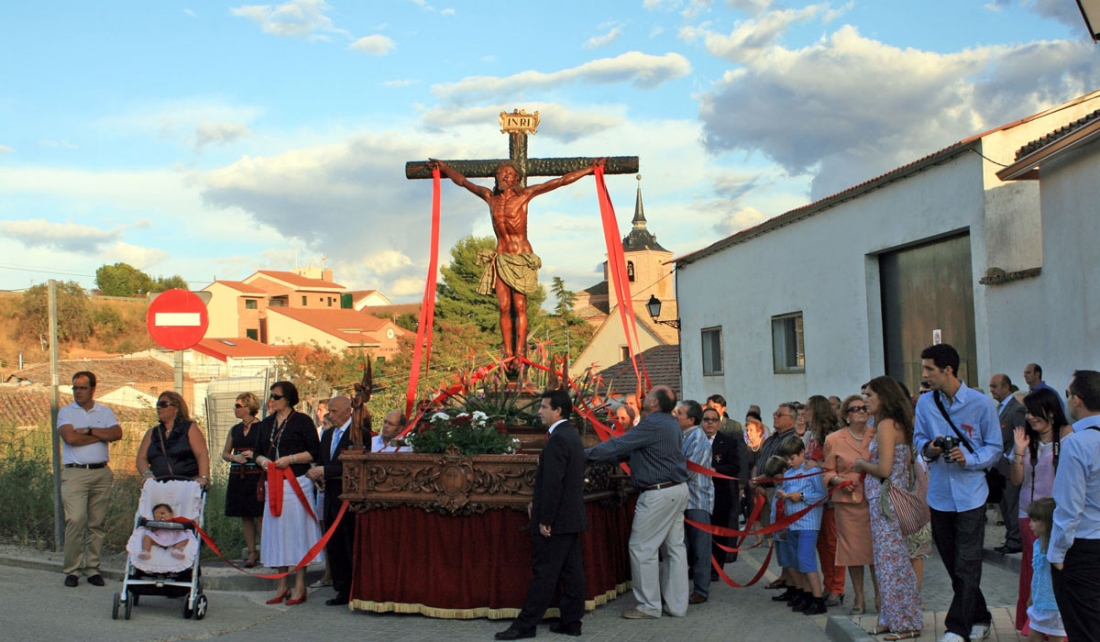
column 751, row 36
column 189, row 13
column 848, row 107
column 140, row 257
column 1063, row 11
column 4, row 149
column 54, row 144
column 603, row 40
column 555, row 121
column 376, row 45
column 447, row 12
column 219, row 133
column 68, row 237
column 644, row 71
column 299, row 18
column 733, row 221
column 401, row 82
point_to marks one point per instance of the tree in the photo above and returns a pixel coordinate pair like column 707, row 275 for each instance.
column 565, row 298
column 74, row 320
column 122, row 279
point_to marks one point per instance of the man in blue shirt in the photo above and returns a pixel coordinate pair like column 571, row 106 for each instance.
column 697, row 450
column 956, row 483
column 1074, row 550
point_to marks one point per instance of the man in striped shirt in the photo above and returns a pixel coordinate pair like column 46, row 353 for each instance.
column 700, row 498
column 658, row 470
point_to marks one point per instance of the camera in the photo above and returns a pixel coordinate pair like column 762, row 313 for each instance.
column 946, row 444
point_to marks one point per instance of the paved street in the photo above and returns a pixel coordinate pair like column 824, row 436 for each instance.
column 34, row 605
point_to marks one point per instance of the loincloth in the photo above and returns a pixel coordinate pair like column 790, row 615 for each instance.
column 518, row 271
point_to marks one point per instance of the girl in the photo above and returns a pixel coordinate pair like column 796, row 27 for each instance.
column 1042, row 610
column 173, row 540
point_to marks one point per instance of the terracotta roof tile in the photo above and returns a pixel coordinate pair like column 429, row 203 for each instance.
column 347, row 325
column 30, row 406
column 241, row 286
column 298, row 280
column 237, row 347
column 1057, row 134
column 111, row 374
column 661, row 362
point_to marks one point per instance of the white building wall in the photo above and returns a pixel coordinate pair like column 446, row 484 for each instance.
column 1054, row 319
column 824, row 266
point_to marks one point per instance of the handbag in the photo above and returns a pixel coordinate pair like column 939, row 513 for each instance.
column 910, row 505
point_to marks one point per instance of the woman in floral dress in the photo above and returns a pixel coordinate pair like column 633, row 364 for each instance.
column 891, row 458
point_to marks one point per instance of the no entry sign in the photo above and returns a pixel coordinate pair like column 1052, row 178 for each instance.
column 177, row 319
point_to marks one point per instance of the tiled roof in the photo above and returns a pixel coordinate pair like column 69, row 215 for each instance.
column 237, row 347
column 1057, row 134
column 359, row 295
column 240, row 286
column 661, row 362
column 395, row 310
column 347, row 325
column 598, row 289
column 110, row 373
column 297, row 280
column 30, row 406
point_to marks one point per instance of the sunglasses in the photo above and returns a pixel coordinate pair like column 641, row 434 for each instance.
column 857, row 408
column 277, row 397
column 163, row 404
column 239, row 405
column 1070, row 393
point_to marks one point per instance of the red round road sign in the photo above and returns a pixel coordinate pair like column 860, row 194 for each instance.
column 177, row 319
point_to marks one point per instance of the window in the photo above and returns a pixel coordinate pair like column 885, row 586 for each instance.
column 253, row 334
column 624, row 353
column 630, row 271
column 788, row 351
column 304, row 304
column 712, row 351
column 250, row 304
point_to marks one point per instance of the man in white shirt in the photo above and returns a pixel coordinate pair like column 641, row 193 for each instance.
column 85, row 428
column 392, row 426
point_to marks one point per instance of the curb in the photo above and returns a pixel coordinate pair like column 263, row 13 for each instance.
column 842, row 629
column 215, row 577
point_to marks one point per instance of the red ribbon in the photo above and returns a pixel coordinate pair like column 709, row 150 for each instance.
column 275, row 477
column 423, row 348
column 310, row 555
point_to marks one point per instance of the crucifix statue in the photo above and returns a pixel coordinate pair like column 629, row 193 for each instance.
column 511, row 272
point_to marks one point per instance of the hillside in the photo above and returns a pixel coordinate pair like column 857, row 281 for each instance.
column 119, row 329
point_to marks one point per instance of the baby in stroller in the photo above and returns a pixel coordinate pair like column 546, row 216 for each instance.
column 174, row 540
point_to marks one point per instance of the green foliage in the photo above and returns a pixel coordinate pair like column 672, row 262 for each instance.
column 565, row 298
column 74, row 321
column 408, row 321
column 472, row 434
column 316, row 370
column 122, row 279
column 108, row 322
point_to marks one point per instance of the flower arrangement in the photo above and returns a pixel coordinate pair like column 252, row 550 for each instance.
column 471, row 433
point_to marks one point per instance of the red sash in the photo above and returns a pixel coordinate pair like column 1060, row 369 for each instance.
column 275, row 477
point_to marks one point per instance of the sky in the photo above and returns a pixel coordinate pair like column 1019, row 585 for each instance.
column 213, row 139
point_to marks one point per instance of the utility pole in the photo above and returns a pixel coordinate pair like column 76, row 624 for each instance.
column 58, row 509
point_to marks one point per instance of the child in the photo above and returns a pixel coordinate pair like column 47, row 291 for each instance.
column 775, row 467
column 168, row 539
column 1042, row 611
column 797, row 495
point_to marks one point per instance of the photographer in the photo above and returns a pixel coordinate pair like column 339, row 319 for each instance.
column 958, row 433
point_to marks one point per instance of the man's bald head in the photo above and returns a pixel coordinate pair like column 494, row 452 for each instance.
column 339, row 409
column 660, row 399
column 393, row 424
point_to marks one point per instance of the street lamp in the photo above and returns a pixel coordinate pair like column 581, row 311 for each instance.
column 1090, row 10
column 653, row 305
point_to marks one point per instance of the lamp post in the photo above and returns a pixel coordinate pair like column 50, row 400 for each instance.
column 653, row 305
column 1090, row 10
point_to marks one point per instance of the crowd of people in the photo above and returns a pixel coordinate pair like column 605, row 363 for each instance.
column 872, row 480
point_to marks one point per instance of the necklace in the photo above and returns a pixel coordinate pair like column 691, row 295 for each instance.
column 859, row 437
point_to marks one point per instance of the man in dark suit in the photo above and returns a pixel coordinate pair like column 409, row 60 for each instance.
column 331, row 470
column 558, row 518
column 725, row 460
column 1012, row 415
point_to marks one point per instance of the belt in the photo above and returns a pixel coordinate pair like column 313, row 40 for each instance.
column 101, row 464
column 662, row 485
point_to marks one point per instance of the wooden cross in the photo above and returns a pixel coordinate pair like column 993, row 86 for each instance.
column 518, row 125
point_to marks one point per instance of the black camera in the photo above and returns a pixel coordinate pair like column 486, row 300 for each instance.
column 946, row 444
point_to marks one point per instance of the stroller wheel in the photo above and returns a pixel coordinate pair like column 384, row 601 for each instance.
column 115, row 604
column 187, row 612
column 200, row 607
column 130, row 600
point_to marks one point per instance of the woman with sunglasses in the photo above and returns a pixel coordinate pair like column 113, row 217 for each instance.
column 852, row 513
column 175, row 447
column 288, row 440
column 240, row 450
column 1034, row 460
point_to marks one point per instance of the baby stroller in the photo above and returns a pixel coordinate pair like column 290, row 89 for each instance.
column 165, row 573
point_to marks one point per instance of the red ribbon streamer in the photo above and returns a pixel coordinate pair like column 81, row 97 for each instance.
column 423, row 348
column 312, row 553
column 275, row 477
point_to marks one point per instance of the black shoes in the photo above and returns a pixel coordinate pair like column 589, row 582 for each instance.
column 71, row 581
column 815, row 606
column 96, row 580
column 515, row 634
column 786, row 596
column 339, row 600
column 1008, row 550
column 574, row 630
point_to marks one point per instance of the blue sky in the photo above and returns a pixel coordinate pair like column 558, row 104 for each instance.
column 212, row 139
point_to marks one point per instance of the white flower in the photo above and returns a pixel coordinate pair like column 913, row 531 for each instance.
column 440, row 416
column 480, row 417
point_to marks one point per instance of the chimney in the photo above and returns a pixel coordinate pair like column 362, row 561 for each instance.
column 326, row 275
